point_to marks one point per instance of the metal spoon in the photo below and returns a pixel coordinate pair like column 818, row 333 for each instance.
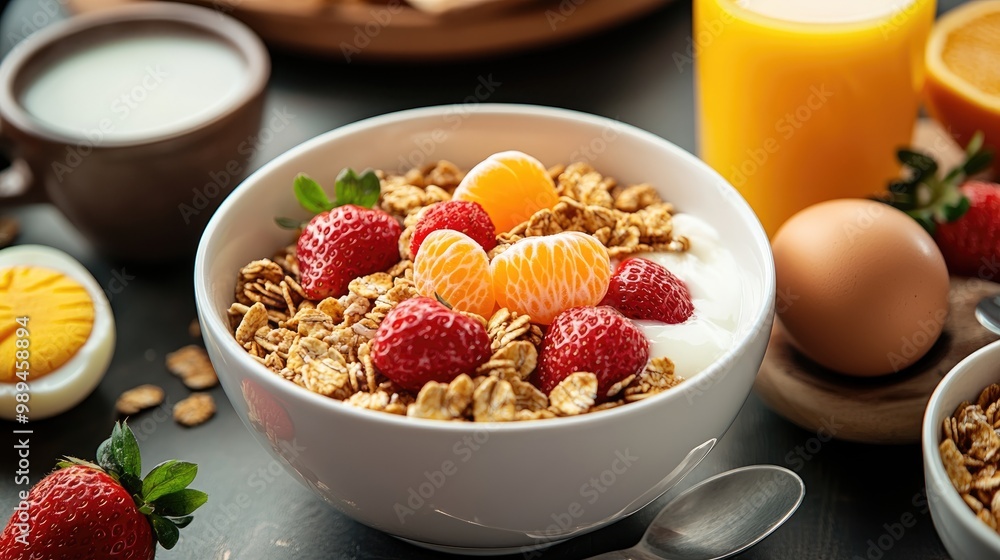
column 988, row 313
column 719, row 517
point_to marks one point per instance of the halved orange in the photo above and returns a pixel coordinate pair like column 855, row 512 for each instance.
column 962, row 90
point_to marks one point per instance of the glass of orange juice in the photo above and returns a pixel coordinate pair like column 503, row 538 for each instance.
column 801, row 101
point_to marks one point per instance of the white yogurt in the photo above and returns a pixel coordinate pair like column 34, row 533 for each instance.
column 714, row 280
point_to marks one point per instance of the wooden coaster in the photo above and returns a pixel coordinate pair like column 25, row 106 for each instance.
column 872, row 410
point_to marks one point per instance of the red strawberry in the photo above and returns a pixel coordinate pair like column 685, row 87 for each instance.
column 963, row 217
column 266, row 414
column 595, row 339
column 342, row 244
column 642, row 289
column 421, row 340
column 110, row 526
column 460, row 215
column 972, row 242
column 85, row 511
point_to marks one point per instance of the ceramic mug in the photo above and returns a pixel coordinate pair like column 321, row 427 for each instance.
column 140, row 195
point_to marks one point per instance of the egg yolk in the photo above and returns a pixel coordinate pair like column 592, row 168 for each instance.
column 60, row 317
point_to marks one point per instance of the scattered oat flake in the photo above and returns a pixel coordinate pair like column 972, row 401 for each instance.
column 194, row 410
column 139, row 398
column 192, row 365
column 194, row 329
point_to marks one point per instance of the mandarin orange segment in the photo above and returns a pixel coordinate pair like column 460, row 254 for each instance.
column 510, row 186
column 542, row 276
column 455, row 267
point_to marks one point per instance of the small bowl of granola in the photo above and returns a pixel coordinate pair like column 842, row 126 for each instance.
column 961, row 448
column 476, row 349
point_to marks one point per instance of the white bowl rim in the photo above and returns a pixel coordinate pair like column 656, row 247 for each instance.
column 932, row 456
column 261, row 374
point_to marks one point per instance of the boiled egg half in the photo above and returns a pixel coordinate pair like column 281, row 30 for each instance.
column 57, row 332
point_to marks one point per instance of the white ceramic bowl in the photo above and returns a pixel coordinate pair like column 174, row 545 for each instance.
column 486, row 488
column 963, row 534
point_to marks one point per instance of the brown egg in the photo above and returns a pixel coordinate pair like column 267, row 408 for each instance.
column 862, row 288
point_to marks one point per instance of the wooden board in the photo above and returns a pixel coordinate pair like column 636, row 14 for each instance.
column 353, row 31
column 875, row 410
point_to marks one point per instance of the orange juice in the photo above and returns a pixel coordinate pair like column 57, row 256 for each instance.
column 801, row 101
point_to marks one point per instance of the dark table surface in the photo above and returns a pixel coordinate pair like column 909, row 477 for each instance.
column 856, row 494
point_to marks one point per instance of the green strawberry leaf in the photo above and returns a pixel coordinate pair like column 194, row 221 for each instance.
column 181, row 502
column 105, row 458
column 125, row 451
column 922, row 164
column 182, row 522
column 289, row 223
column 931, row 199
column 952, row 212
column 311, row 195
column 167, row 533
column 975, row 144
column 166, row 478
column 977, row 162
column 361, row 190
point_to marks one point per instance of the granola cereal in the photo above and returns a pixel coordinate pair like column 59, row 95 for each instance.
column 970, row 451
column 194, row 410
column 325, row 345
column 138, row 399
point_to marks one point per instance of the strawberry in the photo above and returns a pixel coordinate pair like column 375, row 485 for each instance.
column 642, row 289
column 266, row 414
column 342, row 244
column 346, row 238
column 422, row 340
column 87, row 511
column 972, row 242
column 460, row 215
column 963, row 217
column 595, row 339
